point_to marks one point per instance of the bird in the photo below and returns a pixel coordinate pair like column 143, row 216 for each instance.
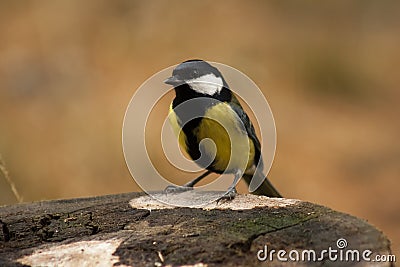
column 204, row 107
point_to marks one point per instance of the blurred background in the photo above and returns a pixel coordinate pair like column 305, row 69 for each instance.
column 329, row 70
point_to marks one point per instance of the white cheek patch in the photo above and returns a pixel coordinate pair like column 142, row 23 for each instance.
column 208, row 84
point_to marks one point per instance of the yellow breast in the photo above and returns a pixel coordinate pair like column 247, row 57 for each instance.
column 173, row 120
column 234, row 149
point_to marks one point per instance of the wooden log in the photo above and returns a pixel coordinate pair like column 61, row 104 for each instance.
column 135, row 230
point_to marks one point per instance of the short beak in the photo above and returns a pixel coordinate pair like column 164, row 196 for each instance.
column 173, row 80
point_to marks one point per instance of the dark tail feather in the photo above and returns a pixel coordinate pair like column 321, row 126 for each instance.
column 265, row 189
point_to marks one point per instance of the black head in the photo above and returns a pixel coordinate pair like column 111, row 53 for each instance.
column 199, row 75
column 192, row 69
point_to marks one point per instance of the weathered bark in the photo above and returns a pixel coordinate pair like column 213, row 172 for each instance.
column 109, row 230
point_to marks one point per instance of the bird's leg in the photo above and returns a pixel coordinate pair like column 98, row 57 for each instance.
column 231, row 192
column 186, row 187
column 198, row 179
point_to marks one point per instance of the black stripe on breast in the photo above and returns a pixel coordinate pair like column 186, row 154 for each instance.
column 190, row 114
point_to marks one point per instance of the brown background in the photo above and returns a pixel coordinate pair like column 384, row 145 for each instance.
column 329, row 71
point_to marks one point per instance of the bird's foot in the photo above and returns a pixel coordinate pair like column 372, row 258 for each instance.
column 229, row 195
column 174, row 189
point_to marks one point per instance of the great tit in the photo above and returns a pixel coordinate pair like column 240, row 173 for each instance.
column 205, row 107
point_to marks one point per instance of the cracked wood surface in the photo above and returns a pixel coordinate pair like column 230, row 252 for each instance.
column 134, row 230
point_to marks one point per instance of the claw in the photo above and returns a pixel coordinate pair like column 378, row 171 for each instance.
column 177, row 189
column 229, row 195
